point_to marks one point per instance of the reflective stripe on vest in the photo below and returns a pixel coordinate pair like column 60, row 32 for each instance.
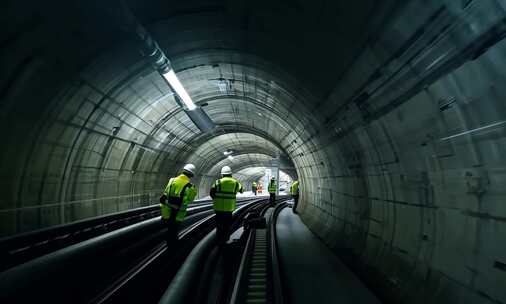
column 225, row 195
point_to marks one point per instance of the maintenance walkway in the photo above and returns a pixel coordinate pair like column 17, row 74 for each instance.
column 312, row 273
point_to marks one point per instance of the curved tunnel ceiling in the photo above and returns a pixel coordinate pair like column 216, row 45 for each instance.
column 240, row 162
column 160, row 122
column 397, row 143
column 251, row 174
column 244, row 161
column 212, row 151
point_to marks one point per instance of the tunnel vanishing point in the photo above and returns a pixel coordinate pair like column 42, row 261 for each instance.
column 392, row 114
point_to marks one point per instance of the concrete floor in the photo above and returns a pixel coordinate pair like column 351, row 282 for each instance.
column 312, row 273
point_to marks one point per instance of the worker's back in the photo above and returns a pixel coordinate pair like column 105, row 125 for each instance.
column 224, row 194
column 179, row 192
column 272, row 186
column 294, row 189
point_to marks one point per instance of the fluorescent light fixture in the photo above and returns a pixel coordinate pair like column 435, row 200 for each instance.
column 228, row 152
column 174, row 82
column 230, row 157
column 200, row 119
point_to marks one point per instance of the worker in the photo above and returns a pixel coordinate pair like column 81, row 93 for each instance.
column 254, row 188
column 223, row 192
column 174, row 201
column 272, row 190
column 294, row 191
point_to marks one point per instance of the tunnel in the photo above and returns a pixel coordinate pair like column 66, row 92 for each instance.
column 390, row 113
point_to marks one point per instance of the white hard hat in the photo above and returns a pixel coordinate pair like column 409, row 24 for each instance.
column 190, row 168
column 226, row 170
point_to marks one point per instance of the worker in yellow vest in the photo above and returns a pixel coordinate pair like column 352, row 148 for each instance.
column 254, row 188
column 272, row 190
column 174, row 201
column 294, row 191
column 223, row 192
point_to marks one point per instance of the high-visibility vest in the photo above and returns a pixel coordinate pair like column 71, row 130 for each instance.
column 294, row 189
column 226, row 189
column 180, row 192
column 254, row 185
column 272, row 187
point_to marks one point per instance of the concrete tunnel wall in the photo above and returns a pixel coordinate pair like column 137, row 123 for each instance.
column 400, row 156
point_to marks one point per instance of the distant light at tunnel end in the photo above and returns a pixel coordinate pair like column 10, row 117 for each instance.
column 174, row 82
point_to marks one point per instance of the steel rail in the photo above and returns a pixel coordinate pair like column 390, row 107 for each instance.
column 79, row 270
column 188, row 281
column 18, row 249
column 119, row 289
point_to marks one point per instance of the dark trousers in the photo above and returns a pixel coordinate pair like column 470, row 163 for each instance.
column 223, row 226
column 295, row 202
column 272, row 198
column 254, row 190
column 171, row 235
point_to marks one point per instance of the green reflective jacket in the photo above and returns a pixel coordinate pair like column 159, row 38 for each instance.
column 225, row 190
column 272, row 187
column 294, row 189
column 180, row 192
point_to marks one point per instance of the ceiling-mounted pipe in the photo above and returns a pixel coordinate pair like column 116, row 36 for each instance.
column 150, row 49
